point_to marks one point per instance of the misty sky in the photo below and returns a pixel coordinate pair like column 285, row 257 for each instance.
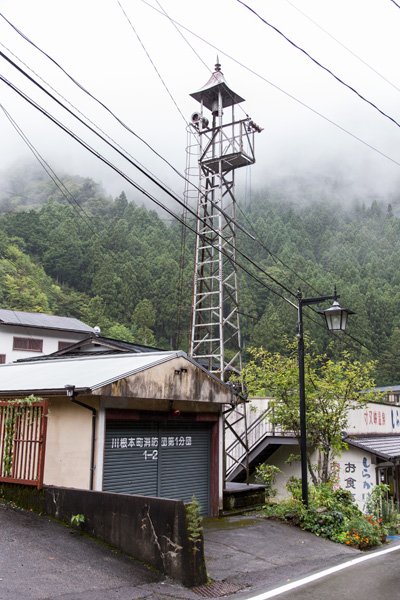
column 95, row 43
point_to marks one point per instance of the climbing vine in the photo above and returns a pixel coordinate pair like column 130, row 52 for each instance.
column 14, row 409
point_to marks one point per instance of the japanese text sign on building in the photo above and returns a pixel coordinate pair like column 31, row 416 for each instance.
column 151, row 442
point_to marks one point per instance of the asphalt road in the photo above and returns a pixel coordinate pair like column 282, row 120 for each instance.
column 43, row 560
column 375, row 578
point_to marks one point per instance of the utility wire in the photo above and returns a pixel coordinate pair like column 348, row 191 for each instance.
column 343, row 46
column 181, row 34
column 151, row 61
column 88, row 119
column 177, row 24
column 315, row 61
column 395, row 3
column 53, row 176
column 248, row 221
column 83, row 89
column 162, row 206
column 120, row 121
column 219, row 50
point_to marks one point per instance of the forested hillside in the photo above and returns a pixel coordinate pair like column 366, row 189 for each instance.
column 115, row 264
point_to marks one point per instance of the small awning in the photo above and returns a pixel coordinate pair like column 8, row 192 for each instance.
column 383, row 446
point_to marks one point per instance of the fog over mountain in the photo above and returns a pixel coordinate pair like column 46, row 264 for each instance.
column 132, row 58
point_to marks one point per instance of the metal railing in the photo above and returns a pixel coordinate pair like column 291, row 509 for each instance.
column 257, row 431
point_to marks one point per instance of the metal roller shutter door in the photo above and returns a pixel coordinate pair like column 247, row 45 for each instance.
column 131, row 458
column 168, row 460
column 184, row 467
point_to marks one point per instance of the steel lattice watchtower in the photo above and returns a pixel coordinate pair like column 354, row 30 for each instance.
column 222, row 148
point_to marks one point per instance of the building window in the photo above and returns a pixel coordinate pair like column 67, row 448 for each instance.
column 28, row 344
column 2, row 359
column 62, row 345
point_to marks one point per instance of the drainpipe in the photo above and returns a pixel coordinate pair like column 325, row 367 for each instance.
column 70, row 389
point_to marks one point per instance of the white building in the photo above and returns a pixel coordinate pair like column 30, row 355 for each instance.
column 23, row 334
column 373, row 454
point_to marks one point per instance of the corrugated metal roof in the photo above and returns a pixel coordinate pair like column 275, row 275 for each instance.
column 89, row 344
column 101, row 340
column 88, row 372
column 41, row 320
column 387, row 388
column 387, row 447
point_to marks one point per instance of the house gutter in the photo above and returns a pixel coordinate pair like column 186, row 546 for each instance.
column 72, row 394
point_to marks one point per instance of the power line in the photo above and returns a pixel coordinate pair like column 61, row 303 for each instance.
column 343, row 46
column 395, row 3
column 151, row 61
column 53, row 176
column 163, row 187
column 315, row 61
column 172, row 21
column 87, row 118
column 81, row 87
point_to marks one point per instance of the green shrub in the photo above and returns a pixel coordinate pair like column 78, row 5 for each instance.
column 363, row 532
column 266, row 474
column 331, row 514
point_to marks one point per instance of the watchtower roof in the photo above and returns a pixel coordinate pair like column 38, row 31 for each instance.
column 208, row 94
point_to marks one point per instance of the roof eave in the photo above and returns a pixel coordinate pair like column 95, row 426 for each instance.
column 387, row 457
column 43, row 392
column 30, row 326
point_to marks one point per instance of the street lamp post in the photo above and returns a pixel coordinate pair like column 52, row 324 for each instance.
column 336, row 319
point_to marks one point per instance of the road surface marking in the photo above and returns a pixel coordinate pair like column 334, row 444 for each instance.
column 296, row 584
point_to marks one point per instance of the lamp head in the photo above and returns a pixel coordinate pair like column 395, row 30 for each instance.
column 70, row 389
column 336, row 317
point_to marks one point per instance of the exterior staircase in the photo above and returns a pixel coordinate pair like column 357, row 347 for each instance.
column 263, row 439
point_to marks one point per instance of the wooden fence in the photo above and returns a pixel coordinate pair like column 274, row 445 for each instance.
column 23, row 429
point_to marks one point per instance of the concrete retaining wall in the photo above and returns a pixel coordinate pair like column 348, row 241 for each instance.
column 152, row 530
